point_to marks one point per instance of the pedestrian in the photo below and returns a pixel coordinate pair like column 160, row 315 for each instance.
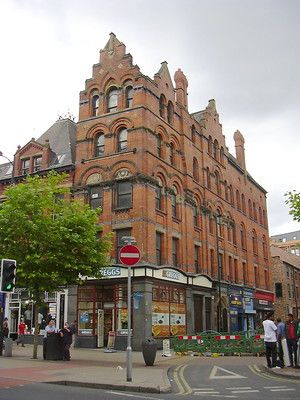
column 50, row 328
column 270, row 340
column 280, row 336
column 21, row 332
column 291, row 327
column 5, row 328
column 73, row 329
column 66, row 335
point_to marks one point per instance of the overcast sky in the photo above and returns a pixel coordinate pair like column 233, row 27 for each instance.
column 243, row 53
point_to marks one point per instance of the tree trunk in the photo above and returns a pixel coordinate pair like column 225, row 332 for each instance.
column 36, row 330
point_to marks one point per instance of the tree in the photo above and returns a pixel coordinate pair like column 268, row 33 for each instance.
column 54, row 238
column 293, row 200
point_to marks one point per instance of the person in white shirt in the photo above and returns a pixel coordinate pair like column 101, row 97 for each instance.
column 270, row 340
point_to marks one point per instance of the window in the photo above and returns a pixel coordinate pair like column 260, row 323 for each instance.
column 254, row 212
column 208, row 183
column 170, row 111
column 124, row 195
column 243, row 203
column 264, row 244
column 234, row 234
column 158, row 198
column 217, row 182
column 119, row 243
column 159, row 146
column 256, row 276
column 112, row 100
column 193, row 134
column 162, row 106
column 245, row 273
column 243, row 237
column 211, row 224
column 174, row 205
column 129, row 96
column 175, row 258
column 95, row 105
column 260, row 215
column 159, row 241
column 195, row 169
column 215, row 149
column 238, row 200
column 25, row 166
column 197, row 259
column 37, row 163
column 195, row 215
column 95, row 196
column 222, row 155
column 172, row 154
column 209, row 144
column 278, row 289
column 122, row 140
column 250, row 208
column 254, row 242
column 99, row 145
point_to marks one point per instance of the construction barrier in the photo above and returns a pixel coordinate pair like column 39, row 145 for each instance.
column 219, row 344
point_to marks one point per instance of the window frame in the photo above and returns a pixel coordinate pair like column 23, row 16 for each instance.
column 120, row 196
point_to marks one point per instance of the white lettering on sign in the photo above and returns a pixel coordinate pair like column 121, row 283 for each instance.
column 263, row 302
column 171, row 274
column 130, row 255
column 111, row 271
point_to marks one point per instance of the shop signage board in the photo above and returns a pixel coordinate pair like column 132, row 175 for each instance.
column 130, row 255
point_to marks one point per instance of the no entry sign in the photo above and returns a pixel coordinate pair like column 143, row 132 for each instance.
column 130, row 255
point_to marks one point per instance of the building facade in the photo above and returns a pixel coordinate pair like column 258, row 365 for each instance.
column 286, row 281
column 289, row 241
column 165, row 176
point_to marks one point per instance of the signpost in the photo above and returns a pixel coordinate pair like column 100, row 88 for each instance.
column 129, row 255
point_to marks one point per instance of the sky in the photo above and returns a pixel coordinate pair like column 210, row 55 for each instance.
column 243, row 53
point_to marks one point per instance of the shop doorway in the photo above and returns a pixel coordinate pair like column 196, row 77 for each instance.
column 198, row 313
column 109, row 322
column 100, row 328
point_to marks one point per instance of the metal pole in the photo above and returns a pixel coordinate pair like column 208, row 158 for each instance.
column 219, row 277
column 129, row 349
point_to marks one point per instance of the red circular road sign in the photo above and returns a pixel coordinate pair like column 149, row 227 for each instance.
column 130, row 255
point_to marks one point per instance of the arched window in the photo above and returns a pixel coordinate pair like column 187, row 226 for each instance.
column 95, row 104
column 250, row 208
column 260, row 215
column 217, row 181
column 99, row 145
column 170, row 112
column 195, row 169
column 238, row 200
column 231, row 199
column 243, row 203
column 159, row 145
column 243, row 237
column 193, row 134
column 254, row 242
column 112, row 100
column 211, row 223
column 129, row 96
column 222, row 155
column 215, row 149
column 264, row 244
column 209, row 143
column 229, row 233
column 162, row 106
column 254, row 212
column 195, row 215
column 226, row 191
column 172, row 154
column 174, row 203
column 208, row 183
column 122, row 140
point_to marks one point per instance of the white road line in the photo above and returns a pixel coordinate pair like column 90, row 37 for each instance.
column 237, row 388
column 206, row 393
column 245, row 391
column 203, row 389
column 274, row 387
column 280, row 390
column 133, row 395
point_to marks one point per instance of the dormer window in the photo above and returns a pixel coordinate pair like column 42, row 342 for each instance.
column 37, row 163
column 25, row 166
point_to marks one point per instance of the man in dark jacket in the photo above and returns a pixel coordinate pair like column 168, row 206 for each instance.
column 291, row 339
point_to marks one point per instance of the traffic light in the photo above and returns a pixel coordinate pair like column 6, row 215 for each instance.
column 8, row 275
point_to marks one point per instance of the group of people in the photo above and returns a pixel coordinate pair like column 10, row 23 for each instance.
column 274, row 333
column 67, row 336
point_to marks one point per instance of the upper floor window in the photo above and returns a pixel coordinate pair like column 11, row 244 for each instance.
column 175, row 251
column 25, row 166
column 195, row 215
column 159, row 145
column 250, row 208
column 217, row 180
column 193, row 134
column 162, row 106
column 254, row 212
column 208, row 183
column 95, row 196
column 197, row 259
column 243, row 203
column 122, row 140
column 159, row 241
column 238, row 200
column 158, row 198
column 95, row 105
column 222, row 155
column 243, row 237
column 124, row 195
column 129, row 96
column 37, row 163
column 112, row 100
column 209, row 145
column 99, row 145
column 174, row 205
column 215, row 149
column 170, row 112
column 172, row 154
column 195, row 169
column 254, row 242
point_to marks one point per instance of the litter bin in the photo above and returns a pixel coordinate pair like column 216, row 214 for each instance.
column 149, row 347
column 54, row 347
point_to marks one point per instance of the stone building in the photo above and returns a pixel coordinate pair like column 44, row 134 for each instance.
column 286, row 281
column 165, row 176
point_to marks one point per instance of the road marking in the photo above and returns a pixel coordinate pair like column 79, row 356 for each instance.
column 230, row 374
column 245, row 391
column 237, row 388
column 133, row 395
column 280, row 390
column 181, row 383
column 206, row 393
column 274, row 387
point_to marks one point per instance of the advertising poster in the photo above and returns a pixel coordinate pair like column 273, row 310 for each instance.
column 160, row 319
column 177, row 319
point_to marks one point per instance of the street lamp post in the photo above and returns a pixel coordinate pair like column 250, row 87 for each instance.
column 12, row 180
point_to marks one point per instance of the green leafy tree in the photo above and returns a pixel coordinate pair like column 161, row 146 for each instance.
column 54, row 238
column 293, row 200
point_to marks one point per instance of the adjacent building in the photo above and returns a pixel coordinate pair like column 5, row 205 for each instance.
column 164, row 176
column 289, row 241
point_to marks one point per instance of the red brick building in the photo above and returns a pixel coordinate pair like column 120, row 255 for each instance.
column 165, row 176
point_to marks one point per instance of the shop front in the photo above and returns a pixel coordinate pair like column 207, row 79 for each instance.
column 263, row 303
column 165, row 302
column 236, row 311
column 249, row 312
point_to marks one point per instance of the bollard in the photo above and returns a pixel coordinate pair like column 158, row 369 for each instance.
column 8, row 347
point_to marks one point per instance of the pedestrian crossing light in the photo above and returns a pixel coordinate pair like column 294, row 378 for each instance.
column 8, row 276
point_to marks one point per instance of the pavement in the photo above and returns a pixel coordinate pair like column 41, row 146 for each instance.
column 97, row 369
